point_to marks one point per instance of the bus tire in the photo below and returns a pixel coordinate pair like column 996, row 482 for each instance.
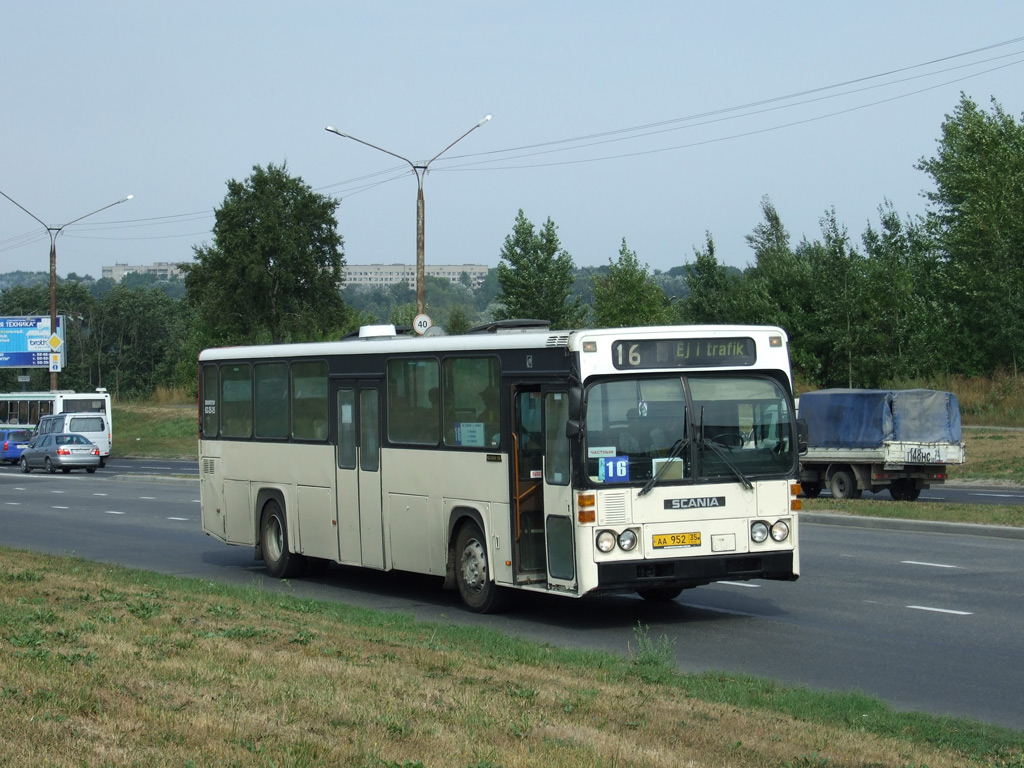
column 476, row 588
column 660, row 594
column 281, row 564
column 843, row 485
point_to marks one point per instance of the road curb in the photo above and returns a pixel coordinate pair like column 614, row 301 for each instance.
column 918, row 526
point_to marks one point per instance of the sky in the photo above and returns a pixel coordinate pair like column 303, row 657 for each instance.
column 656, row 122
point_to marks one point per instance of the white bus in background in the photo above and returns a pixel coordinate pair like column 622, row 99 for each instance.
column 25, row 409
column 644, row 460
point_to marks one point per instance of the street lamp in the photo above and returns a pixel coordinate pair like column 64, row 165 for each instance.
column 420, row 171
column 53, row 232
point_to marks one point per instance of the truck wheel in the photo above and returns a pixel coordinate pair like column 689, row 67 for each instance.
column 843, row 485
column 811, row 490
column 281, row 564
column 904, row 490
column 477, row 590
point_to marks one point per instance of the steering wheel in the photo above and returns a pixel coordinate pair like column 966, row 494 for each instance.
column 728, row 439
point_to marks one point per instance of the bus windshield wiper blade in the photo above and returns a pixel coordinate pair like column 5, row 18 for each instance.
column 720, row 452
column 677, row 449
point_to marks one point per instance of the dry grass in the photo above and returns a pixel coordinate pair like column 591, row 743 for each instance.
column 108, row 667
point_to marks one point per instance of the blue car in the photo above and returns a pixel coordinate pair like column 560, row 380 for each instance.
column 12, row 443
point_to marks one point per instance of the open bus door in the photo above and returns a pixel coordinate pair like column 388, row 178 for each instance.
column 542, row 526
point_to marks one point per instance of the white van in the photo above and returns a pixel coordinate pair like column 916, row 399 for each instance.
column 93, row 426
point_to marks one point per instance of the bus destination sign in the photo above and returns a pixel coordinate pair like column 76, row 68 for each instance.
column 684, row 353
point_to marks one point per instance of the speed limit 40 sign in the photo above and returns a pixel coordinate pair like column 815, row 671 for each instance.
column 421, row 323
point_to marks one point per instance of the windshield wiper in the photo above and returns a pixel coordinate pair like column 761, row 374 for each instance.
column 720, row 452
column 677, row 448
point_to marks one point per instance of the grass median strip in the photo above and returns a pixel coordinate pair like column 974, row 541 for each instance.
column 108, row 666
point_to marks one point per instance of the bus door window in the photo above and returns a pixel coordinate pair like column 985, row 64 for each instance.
column 559, row 529
column 528, row 468
column 346, row 429
column 369, row 431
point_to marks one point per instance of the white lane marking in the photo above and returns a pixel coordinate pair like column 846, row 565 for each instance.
column 56, row 491
column 13, row 503
column 148, row 498
column 184, row 519
column 741, row 584
column 940, row 610
column 998, row 495
column 113, row 512
column 930, row 565
column 99, row 494
column 55, row 507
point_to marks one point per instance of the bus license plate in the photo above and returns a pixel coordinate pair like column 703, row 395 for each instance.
column 667, row 540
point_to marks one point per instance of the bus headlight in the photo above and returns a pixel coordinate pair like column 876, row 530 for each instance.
column 627, row 540
column 758, row 531
column 780, row 531
column 606, row 541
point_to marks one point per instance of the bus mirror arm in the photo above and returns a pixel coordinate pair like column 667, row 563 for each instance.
column 801, row 436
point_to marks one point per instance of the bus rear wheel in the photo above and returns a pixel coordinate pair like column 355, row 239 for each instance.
column 477, row 590
column 281, row 564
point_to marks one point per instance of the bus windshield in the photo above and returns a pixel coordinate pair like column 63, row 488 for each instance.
column 695, row 428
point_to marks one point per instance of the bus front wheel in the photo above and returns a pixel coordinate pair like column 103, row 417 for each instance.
column 281, row 564
column 477, row 590
column 660, row 594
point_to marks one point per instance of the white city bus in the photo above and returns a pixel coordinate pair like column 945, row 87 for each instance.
column 585, row 462
column 25, row 409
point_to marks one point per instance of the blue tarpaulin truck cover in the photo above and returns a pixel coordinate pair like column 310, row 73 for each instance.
column 866, row 418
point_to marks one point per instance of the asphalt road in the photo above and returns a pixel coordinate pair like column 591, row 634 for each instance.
column 927, row 620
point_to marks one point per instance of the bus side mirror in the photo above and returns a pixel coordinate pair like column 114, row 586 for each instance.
column 572, row 428
column 801, row 436
column 575, row 403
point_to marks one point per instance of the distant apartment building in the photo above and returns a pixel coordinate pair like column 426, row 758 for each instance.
column 162, row 270
column 389, row 274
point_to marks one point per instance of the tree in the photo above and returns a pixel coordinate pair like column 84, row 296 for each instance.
column 627, row 295
column 908, row 325
column 778, row 289
column 712, row 290
column 537, row 278
column 274, row 271
column 975, row 218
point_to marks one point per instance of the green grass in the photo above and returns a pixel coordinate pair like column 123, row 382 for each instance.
column 108, row 666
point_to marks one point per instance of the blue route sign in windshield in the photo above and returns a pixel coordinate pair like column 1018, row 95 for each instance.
column 25, row 342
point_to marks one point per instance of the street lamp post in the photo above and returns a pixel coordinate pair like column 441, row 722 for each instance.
column 53, row 232
column 420, row 171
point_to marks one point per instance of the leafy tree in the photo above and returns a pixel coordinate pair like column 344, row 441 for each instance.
column 274, row 270
column 537, row 278
column 975, row 218
column 908, row 325
column 778, row 289
column 712, row 291
column 140, row 338
column 840, row 332
column 627, row 295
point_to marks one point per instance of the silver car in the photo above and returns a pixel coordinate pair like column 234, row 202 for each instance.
column 60, row 450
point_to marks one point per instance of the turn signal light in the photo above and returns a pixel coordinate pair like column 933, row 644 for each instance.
column 586, row 507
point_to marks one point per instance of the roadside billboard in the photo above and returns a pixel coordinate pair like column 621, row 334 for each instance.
column 26, row 342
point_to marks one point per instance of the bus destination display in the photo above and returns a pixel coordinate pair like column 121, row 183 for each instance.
column 683, row 353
